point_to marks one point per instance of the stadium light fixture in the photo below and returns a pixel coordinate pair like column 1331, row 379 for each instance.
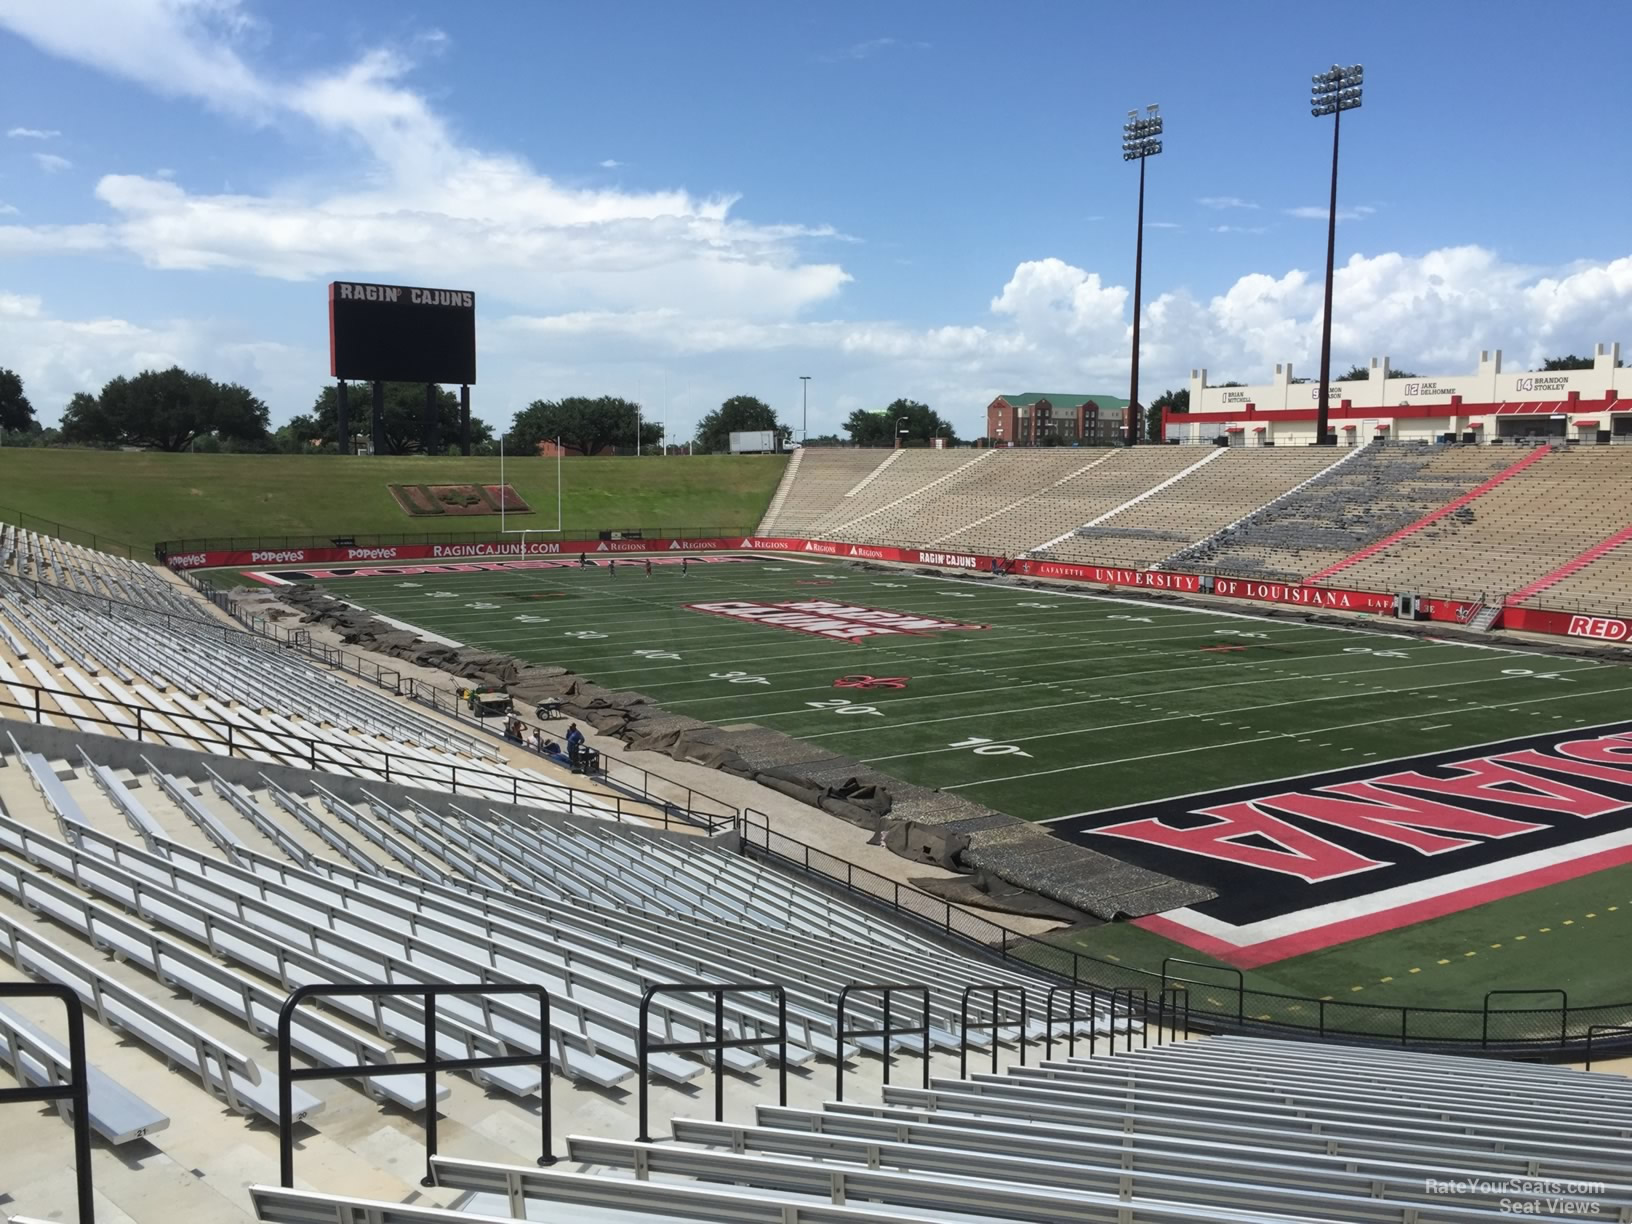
column 1331, row 93
column 1141, row 140
column 804, row 422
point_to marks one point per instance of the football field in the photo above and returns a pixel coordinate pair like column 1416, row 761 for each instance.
column 1054, row 705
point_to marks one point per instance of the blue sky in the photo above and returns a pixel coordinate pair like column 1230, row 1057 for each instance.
column 681, row 202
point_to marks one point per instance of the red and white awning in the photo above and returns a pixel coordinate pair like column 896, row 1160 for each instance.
column 1350, row 427
column 1234, row 429
column 1382, row 425
column 1258, row 428
column 1587, row 424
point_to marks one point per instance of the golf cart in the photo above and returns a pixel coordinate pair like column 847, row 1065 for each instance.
column 487, row 703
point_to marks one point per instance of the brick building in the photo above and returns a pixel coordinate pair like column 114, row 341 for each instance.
column 1074, row 420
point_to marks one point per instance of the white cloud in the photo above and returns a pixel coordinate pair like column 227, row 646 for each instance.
column 51, row 163
column 432, row 209
column 1163, row 225
column 871, row 47
column 1222, row 202
column 1310, row 212
column 7, row 210
column 23, row 133
column 57, row 357
column 1239, row 229
column 611, row 163
column 1050, row 324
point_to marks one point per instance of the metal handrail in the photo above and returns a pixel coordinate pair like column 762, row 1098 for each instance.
column 288, row 1073
column 76, row 1092
column 508, row 790
column 887, row 990
column 718, row 1044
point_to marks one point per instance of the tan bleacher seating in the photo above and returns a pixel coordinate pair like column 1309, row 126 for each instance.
column 1371, row 494
column 1283, row 513
column 857, row 514
column 1514, row 534
column 1124, row 475
column 1232, row 484
column 816, row 481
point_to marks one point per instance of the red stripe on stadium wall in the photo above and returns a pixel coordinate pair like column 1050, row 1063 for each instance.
column 1572, row 565
column 1251, row 956
column 1501, row 477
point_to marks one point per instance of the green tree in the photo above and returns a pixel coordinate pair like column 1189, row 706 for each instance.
column 739, row 414
column 1572, row 362
column 1359, row 373
column 915, row 422
column 582, row 424
column 16, row 413
column 165, row 410
column 1173, row 401
column 403, row 423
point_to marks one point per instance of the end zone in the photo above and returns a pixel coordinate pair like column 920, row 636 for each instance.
column 1333, row 857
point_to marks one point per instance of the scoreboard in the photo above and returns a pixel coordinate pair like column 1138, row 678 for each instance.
column 401, row 333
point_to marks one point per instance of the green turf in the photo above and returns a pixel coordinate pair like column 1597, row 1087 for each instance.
column 141, row 498
column 1065, row 705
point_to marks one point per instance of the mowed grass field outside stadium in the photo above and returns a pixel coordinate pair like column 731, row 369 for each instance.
column 1063, row 703
column 141, row 498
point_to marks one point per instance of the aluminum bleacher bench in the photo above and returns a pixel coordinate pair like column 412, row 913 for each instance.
column 179, row 793
column 63, row 805
column 36, row 1058
column 171, row 907
column 264, row 825
column 136, row 816
column 222, row 1070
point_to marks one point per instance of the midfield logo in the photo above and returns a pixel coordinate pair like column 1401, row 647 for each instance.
column 825, row 618
column 1315, row 862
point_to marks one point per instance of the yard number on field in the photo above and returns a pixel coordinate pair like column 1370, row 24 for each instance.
column 584, row 634
column 482, row 607
column 1535, row 675
column 1038, row 605
column 736, row 677
column 407, row 584
column 657, row 654
column 1381, row 654
column 982, row 746
column 527, row 618
column 838, row 705
column 1246, row 633
column 1126, row 617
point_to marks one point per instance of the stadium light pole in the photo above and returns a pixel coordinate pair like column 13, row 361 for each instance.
column 804, row 417
column 1331, row 93
column 1141, row 140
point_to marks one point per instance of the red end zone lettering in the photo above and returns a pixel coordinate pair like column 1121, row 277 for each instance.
column 1608, row 628
column 824, row 618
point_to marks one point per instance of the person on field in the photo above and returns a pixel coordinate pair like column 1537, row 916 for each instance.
column 575, row 745
column 583, row 561
column 682, row 567
column 648, row 567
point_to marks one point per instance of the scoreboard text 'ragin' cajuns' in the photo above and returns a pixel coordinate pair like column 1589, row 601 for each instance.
column 402, row 333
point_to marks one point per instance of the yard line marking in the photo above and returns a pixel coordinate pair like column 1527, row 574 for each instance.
column 894, row 726
column 1151, row 756
column 1272, row 705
